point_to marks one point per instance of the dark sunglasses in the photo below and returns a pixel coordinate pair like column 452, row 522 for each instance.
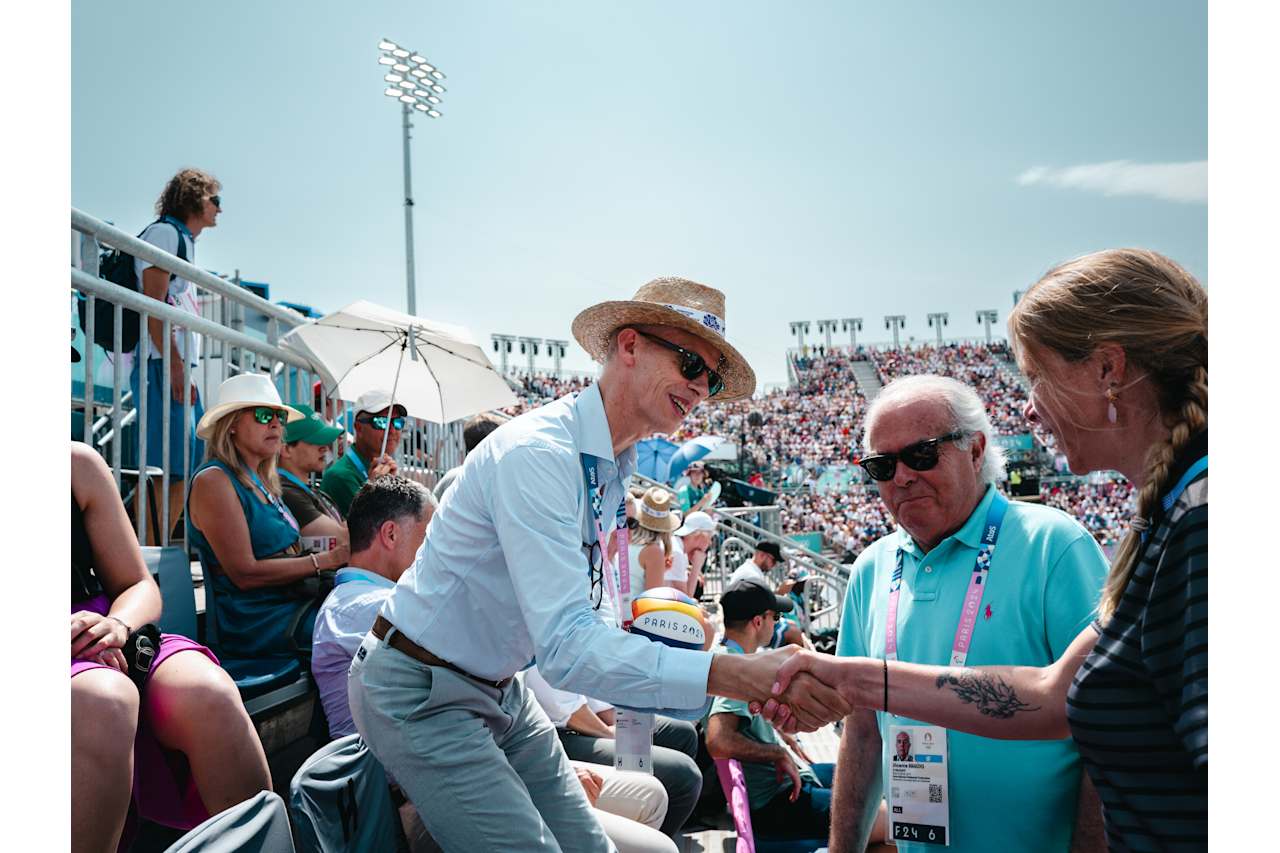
column 217, row 201
column 595, row 565
column 692, row 365
column 380, row 421
column 265, row 415
column 920, row 456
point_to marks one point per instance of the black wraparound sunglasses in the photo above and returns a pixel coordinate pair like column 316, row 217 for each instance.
column 692, row 365
column 920, row 456
column 217, row 201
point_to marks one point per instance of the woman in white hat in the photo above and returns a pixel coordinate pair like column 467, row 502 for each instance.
column 248, row 540
column 652, row 545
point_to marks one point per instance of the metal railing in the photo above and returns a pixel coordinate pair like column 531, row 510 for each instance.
column 425, row 451
column 736, row 540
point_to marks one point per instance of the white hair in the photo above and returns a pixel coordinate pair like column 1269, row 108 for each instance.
column 968, row 415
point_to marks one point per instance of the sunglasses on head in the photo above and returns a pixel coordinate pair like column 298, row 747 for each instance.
column 265, row 415
column 920, row 456
column 380, row 421
column 692, row 365
column 217, row 201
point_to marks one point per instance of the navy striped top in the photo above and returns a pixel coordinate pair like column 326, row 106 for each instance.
column 1139, row 706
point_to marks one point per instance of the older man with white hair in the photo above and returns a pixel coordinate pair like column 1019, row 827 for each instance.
column 970, row 577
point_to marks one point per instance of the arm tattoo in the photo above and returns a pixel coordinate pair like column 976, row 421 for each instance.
column 991, row 694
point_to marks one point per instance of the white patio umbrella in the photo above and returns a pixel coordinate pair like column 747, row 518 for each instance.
column 435, row 370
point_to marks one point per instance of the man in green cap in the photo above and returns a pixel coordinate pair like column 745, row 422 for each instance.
column 305, row 450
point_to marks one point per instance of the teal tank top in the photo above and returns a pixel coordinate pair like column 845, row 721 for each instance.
column 253, row 623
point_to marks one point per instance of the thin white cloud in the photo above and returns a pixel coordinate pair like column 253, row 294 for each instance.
column 1184, row 182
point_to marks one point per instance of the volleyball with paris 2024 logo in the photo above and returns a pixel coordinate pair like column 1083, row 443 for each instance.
column 668, row 616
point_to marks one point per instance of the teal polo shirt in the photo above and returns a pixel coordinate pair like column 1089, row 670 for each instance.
column 1045, row 579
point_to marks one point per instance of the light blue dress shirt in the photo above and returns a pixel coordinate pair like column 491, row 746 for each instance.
column 504, row 578
column 345, row 617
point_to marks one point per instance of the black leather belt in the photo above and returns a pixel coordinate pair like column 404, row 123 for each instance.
column 401, row 643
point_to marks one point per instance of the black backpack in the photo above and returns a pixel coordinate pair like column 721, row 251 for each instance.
column 117, row 267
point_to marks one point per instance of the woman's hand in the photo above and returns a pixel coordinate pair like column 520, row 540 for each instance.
column 335, row 558
column 92, row 634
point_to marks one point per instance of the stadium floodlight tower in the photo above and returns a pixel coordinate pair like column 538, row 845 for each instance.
column 529, row 346
column 502, row 346
column 827, row 327
column 937, row 320
column 896, row 322
column 800, row 328
column 413, row 82
column 852, row 325
column 557, row 350
column 986, row 317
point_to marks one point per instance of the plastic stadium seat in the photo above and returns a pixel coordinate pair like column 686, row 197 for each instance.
column 734, row 785
column 341, row 801
column 258, row 825
column 173, row 573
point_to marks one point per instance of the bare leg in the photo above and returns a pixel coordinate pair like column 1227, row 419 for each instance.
column 193, row 707
column 104, row 720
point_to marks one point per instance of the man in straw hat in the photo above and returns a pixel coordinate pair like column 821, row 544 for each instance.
column 513, row 571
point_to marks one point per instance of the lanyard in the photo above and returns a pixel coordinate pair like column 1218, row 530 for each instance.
column 325, row 504
column 595, row 499
column 733, row 644
column 349, row 575
column 1167, row 502
column 355, row 460
column 274, row 501
column 972, row 598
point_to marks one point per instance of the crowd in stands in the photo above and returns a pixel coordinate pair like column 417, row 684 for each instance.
column 1103, row 508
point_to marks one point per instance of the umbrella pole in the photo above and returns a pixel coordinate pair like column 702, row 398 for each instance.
column 395, row 386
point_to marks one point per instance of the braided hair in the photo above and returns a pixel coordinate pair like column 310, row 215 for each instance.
column 1159, row 314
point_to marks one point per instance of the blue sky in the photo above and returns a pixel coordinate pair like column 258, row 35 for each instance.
column 811, row 159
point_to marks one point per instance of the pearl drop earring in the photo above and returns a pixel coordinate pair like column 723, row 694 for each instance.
column 1112, row 396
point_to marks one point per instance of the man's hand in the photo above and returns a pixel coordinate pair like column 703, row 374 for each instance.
column 810, row 691
column 383, row 466
column 786, row 766
column 794, row 742
column 177, row 380
column 592, row 783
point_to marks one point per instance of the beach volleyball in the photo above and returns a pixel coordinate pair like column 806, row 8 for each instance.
column 668, row 616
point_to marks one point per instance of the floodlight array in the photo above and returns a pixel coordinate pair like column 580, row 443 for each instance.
column 412, row 80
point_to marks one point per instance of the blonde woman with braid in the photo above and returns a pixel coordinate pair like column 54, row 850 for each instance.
column 1115, row 346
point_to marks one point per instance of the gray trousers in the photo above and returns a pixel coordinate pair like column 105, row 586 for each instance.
column 483, row 766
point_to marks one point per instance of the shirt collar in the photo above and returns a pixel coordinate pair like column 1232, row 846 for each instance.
column 351, row 573
column 180, row 225
column 592, row 426
column 969, row 534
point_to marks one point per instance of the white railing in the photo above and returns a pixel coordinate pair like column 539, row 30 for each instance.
column 425, row 451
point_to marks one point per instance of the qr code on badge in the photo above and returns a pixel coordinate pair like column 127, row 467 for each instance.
column 935, row 793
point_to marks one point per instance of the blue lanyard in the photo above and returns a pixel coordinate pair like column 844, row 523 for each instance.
column 1171, row 497
column 349, row 575
column 355, row 460
column 733, row 644
column 292, row 479
column 273, row 500
column 595, row 500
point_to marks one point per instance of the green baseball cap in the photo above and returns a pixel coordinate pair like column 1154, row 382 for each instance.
column 310, row 428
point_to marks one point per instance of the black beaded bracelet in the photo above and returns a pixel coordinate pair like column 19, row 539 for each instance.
column 886, row 684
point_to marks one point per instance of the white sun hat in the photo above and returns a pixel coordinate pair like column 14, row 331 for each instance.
column 243, row 392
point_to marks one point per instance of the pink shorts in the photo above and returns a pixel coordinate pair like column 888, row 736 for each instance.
column 163, row 788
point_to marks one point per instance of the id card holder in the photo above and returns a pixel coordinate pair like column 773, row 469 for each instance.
column 918, row 799
column 633, row 747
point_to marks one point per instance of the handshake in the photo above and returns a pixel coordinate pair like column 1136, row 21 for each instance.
column 795, row 689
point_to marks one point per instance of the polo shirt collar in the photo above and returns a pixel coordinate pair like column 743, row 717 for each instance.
column 592, row 427
column 969, row 534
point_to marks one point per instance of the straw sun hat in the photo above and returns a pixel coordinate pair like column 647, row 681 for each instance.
column 656, row 511
column 681, row 304
column 244, row 391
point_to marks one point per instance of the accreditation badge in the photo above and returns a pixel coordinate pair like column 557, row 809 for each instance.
column 633, row 741
column 917, row 791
